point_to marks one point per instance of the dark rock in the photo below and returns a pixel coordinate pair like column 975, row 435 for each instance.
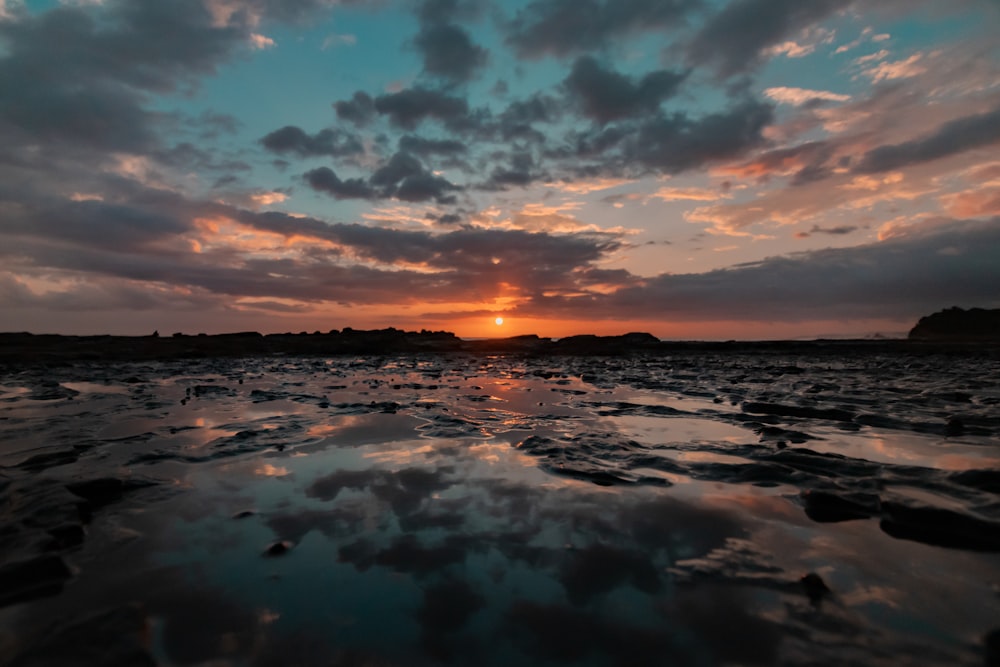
column 110, row 638
column 940, row 527
column 956, row 324
column 802, row 411
column 827, row 507
column 50, row 390
column 105, row 490
column 991, row 648
column 66, row 536
column 49, row 460
column 30, row 579
column 279, row 548
column 815, row 588
column 954, row 427
column 245, row 514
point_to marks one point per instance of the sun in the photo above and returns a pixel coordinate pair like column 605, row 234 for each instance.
column 499, row 321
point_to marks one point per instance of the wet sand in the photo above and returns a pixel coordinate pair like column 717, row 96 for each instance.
column 702, row 507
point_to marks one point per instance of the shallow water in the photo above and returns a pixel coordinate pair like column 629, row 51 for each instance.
column 498, row 511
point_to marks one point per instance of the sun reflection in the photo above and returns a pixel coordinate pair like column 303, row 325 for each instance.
column 268, row 470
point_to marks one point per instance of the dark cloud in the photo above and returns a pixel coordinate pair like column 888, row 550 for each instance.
column 607, row 95
column 913, row 273
column 425, row 147
column 360, row 109
column 424, row 187
column 566, row 27
column 956, row 136
column 409, row 107
column 79, row 76
column 521, row 171
column 733, row 41
column 323, row 179
column 332, row 142
column 841, row 230
column 449, row 52
column 186, row 155
column 399, row 166
column 403, row 176
column 676, row 143
column 518, row 119
column 117, row 227
column 211, row 125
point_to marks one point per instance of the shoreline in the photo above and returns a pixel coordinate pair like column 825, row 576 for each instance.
column 19, row 349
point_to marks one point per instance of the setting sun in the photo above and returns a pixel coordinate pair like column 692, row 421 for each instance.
column 499, row 321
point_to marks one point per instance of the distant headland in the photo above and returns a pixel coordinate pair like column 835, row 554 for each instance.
column 950, row 327
column 959, row 325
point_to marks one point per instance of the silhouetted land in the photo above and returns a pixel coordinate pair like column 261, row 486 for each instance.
column 28, row 349
column 956, row 324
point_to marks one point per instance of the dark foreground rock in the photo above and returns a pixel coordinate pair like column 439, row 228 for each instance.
column 111, row 638
column 30, row 579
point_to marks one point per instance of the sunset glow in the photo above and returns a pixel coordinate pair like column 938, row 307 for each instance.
column 706, row 169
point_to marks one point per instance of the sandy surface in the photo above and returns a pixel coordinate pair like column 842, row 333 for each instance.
column 418, row 510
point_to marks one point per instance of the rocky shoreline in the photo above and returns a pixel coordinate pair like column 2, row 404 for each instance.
column 20, row 349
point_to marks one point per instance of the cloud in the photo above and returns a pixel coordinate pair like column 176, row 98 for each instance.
column 842, row 230
column 903, row 277
column 359, row 110
column 331, row 142
column 262, row 41
column 781, row 161
column 607, row 95
column 688, row 194
column 872, row 57
column 324, row 179
column 409, row 107
column 800, row 96
column 567, row 27
column 977, row 203
column 449, row 52
column 671, row 144
column 174, row 243
column 735, row 39
column 956, row 136
column 899, row 69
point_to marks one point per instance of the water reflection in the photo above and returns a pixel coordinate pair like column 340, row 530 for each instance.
column 503, row 512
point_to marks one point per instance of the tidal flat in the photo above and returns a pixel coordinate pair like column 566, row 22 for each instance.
column 746, row 508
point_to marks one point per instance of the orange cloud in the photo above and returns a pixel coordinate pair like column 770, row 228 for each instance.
column 973, row 203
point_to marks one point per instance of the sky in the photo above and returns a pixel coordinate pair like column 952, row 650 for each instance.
column 696, row 169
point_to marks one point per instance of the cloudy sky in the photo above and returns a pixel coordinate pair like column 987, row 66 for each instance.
column 692, row 168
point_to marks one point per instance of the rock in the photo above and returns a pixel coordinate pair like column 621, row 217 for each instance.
column 828, row 507
column 954, row 427
column 815, row 588
column 105, row 490
column 30, row 579
column 991, row 648
column 279, row 548
column 958, row 325
column 66, row 536
column 49, row 460
column 940, row 527
column 110, row 638
column 245, row 514
column 802, row 411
